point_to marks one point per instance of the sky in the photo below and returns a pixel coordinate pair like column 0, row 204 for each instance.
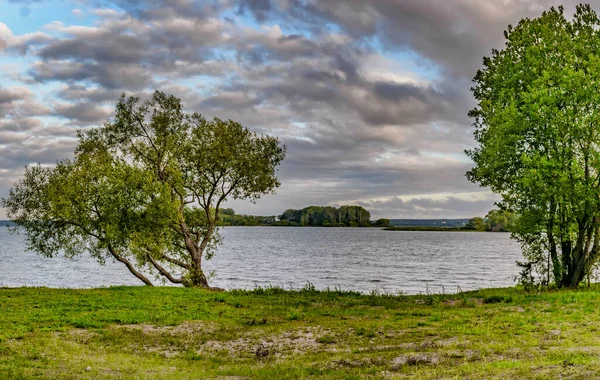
column 369, row 97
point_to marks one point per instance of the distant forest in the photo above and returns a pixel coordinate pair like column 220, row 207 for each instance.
column 316, row 216
column 327, row 216
column 357, row 216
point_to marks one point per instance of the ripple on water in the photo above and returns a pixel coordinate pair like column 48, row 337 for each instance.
column 360, row 259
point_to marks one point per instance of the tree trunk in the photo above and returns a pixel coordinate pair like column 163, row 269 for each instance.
column 578, row 266
column 556, row 264
column 567, row 264
column 197, row 279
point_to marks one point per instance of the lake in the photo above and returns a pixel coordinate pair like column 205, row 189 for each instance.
column 362, row 259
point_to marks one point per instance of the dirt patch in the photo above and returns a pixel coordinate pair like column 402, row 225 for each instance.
column 470, row 355
column 359, row 363
column 418, row 346
column 422, row 346
column 415, row 359
column 286, row 343
column 462, row 302
column 184, row 328
column 451, row 341
column 82, row 336
column 402, row 346
column 165, row 353
column 453, row 302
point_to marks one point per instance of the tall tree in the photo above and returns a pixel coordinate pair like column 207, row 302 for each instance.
column 145, row 189
column 537, row 125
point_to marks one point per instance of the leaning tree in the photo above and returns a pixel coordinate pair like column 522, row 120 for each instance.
column 537, row 125
column 145, row 189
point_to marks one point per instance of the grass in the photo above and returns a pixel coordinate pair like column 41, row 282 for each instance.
column 164, row 333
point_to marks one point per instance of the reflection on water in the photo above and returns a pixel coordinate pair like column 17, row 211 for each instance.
column 361, row 259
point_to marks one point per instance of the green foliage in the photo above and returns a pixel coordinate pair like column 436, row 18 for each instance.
column 145, row 189
column 383, row 223
column 227, row 212
column 354, row 216
column 247, row 220
column 536, row 123
column 500, row 220
column 477, row 223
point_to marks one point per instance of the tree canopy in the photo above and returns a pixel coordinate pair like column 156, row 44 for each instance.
column 537, row 128
column 145, row 189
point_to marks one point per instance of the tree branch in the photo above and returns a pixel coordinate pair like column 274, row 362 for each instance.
column 137, row 274
column 172, row 260
column 164, row 272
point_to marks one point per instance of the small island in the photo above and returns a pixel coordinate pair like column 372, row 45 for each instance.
column 312, row 216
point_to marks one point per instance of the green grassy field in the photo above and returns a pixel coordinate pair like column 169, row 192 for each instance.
column 176, row 333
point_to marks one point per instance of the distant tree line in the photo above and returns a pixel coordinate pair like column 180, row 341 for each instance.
column 230, row 218
column 317, row 216
column 327, row 216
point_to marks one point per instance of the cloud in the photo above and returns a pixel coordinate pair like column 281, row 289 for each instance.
column 370, row 98
column 24, row 137
column 20, row 44
column 82, row 113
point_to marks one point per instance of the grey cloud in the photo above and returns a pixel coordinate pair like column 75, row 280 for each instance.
column 111, row 48
column 353, row 133
column 452, row 34
column 108, row 75
column 259, row 8
column 160, row 9
column 450, row 207
column 19, row 103
column 12, row 95
column 98, row 95
column 231, row 99
column 82, row 114
column 20, row 125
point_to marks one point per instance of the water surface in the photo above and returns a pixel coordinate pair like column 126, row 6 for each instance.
column 360, row 259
